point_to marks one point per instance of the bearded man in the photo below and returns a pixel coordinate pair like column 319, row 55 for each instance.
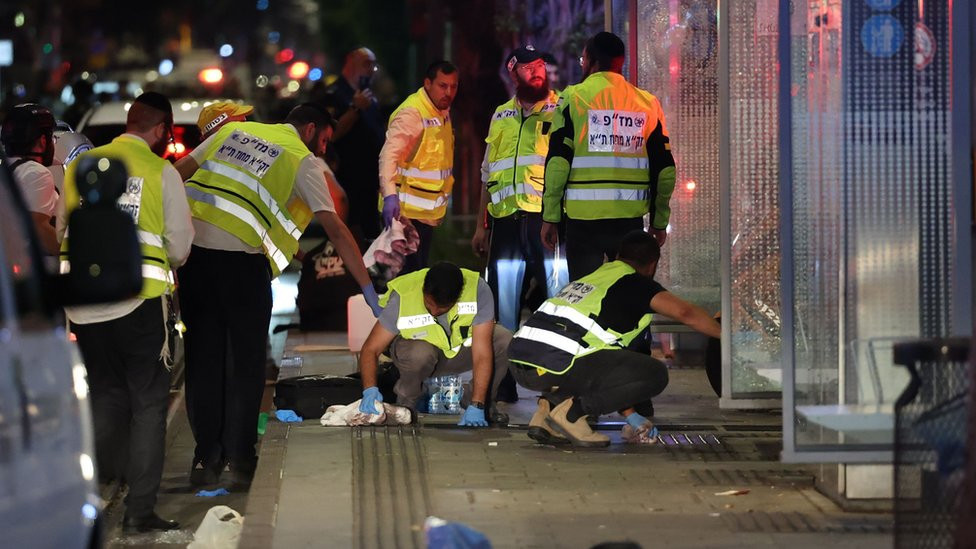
column 512, row 171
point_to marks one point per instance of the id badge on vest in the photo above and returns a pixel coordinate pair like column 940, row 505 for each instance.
column 131, row 199
column 249, row 153
column 616, row 131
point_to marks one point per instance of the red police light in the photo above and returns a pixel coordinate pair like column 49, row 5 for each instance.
column 212, row 75
column 298, row 70
column 285, row 55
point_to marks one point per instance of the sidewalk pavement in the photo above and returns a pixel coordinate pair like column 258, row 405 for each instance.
column 372, row 487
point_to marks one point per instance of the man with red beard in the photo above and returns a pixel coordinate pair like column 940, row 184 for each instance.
column 517, row 144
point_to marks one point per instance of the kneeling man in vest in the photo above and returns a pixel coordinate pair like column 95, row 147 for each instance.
column 577, row 342
column 438, row 321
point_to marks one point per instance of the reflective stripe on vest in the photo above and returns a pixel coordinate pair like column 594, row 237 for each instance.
column 508, row 191
column 255, row 186
column 424, row 174
column 509, row 163
column 583, row 195
column 612, row 162
column 232, row 208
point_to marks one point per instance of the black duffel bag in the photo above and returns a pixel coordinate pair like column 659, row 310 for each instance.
column 309, row 396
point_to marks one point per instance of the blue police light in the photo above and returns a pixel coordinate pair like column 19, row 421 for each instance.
column 315, row 74
column 262, row 5
column 226, row 50
column 165, row 67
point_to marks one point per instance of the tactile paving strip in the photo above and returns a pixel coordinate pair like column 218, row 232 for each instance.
column 390, row 491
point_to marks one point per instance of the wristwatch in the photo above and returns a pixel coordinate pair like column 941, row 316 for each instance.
column 478, row 405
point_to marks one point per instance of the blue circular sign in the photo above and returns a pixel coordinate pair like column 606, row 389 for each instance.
column 882, row 35
column 882, row 5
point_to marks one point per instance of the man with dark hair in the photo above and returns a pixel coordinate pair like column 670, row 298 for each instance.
column 577, row 342
column 438, row 321
column 358, row 138
column 252, row 189
column 27, row 137
column 511, row 197
column 124, row 343
column 609, row 161
column 416, row 162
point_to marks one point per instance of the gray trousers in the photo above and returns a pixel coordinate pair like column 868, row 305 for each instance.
column 417, row 360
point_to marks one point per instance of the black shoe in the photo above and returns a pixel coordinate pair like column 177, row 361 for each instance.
column 241, row 472
column 497, row 418
column 149, row 523
column 202, row 473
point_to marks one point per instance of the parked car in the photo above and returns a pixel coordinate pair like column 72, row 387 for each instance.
column 106, row 121
column 48, row 481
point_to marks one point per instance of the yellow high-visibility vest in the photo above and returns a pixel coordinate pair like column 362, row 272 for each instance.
column 424, row 181
column 517, row 157
column 142, row 199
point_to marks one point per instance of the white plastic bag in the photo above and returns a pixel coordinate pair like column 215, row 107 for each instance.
column 220, row 529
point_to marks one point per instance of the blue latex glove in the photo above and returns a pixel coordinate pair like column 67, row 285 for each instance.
column 213, row 493
column 371, row 396
column 473, row 417
column 373, row 300
column 287, row 416
column 391, row 209
column 639, row 422
column 636, row 420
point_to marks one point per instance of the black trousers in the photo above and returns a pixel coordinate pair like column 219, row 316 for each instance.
column 225, row 299
column 603, row 382
column 517, row 250
column 587, row 242
column 418, row 260
column 129, row 397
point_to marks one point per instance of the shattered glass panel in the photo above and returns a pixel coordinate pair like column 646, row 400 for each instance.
column 754, row 199
column 678, row 60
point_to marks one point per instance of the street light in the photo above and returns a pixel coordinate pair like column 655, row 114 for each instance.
column 212, row 75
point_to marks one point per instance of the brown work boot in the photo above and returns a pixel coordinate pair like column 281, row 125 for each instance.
column 539, row 431
column 578, row 432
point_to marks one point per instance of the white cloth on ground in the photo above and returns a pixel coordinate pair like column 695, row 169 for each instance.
column 349, row 415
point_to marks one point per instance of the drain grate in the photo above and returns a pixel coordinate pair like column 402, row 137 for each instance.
column 391, row 495
column 751, row 477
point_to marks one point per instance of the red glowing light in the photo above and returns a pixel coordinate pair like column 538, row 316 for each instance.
column 212, row 75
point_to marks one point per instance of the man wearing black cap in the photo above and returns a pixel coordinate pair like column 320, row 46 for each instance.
column 511, row 198
column 123, row 343
column 609, row 162
column 252, row 188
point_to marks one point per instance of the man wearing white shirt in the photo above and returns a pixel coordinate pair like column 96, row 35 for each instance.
column 123, row 343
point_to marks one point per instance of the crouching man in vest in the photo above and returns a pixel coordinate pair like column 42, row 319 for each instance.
column 438, row 321
column 577, row 342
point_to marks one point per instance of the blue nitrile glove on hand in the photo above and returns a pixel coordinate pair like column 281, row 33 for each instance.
column 391, row 209
column 287, row 416
column 373, row 300
column 371, row 397
column 641, row 423
column 473, row 417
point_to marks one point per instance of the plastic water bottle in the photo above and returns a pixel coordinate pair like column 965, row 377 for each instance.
column 434, row 398
column 450, row 389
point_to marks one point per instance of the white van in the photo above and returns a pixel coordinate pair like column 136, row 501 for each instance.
column 48, row 483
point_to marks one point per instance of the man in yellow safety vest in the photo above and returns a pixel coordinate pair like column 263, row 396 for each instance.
column 252, row 189
column 417, row 159
column 609, row 161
